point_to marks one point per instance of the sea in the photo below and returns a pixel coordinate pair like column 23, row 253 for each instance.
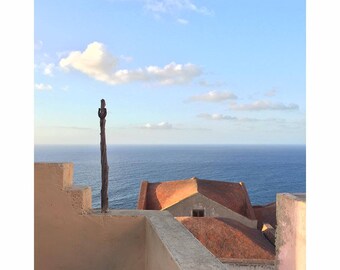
column 265, row 169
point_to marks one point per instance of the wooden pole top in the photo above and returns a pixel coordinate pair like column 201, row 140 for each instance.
column 102, row 110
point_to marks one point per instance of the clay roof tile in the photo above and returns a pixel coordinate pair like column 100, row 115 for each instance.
column 227, row 238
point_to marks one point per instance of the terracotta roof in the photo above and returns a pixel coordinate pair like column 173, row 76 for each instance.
column 164, row 194
column 161, row 195
column 228, row 239
column 266, row 213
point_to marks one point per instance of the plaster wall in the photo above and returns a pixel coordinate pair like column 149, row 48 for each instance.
column 64, row 239
column 211, row 209
column 291, row 232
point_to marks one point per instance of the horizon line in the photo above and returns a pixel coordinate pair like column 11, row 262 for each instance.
column 170, row 144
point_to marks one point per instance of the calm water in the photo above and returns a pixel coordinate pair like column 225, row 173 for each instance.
column 266, row 170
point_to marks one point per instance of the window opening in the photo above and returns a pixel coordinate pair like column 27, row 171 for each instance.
column 198, row 212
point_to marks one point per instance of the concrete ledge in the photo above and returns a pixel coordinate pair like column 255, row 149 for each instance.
column 292, row 196
column 184, row 249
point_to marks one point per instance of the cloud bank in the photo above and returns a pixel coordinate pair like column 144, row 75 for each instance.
column 98, row 63
column 220, row 117
column 161, row 125
column 216, row 116
column 42, row 86
column 213, row 96
column 171, row 6
column 262, row 105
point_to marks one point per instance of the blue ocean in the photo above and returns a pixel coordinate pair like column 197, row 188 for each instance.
column 265, row 169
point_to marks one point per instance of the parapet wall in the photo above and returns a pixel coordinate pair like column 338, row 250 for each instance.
column 68, row 236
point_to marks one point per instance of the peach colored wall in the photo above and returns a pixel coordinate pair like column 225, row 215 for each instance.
column 66, row 240
column 291, row 232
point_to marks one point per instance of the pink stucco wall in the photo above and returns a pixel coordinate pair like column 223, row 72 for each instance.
column 291, row 232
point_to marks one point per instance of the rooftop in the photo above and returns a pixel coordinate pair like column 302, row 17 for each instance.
column 161, row 195
column 266, row 213
column 228, row 239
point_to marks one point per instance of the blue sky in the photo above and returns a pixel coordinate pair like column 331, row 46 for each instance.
column 171, row 72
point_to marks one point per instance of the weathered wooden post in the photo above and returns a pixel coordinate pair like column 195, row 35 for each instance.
column 105, row 168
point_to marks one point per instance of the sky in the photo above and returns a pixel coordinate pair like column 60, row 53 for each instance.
column 171, row 71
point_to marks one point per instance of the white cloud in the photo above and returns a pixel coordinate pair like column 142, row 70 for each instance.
column 48, row 69
column 182, row 21
column 161, row 125
column 171, row 6
column 261, row 105
column 99, row 64
column 126, row 58
column 204, row 83
column 172, row 73
column 219, row 117
column 62, row 54
column 213, row 96
column 95, row 61
column 216, row 116
column 42, row 86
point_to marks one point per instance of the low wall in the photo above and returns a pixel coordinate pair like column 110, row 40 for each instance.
column 64, row 239
column 291, row 231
